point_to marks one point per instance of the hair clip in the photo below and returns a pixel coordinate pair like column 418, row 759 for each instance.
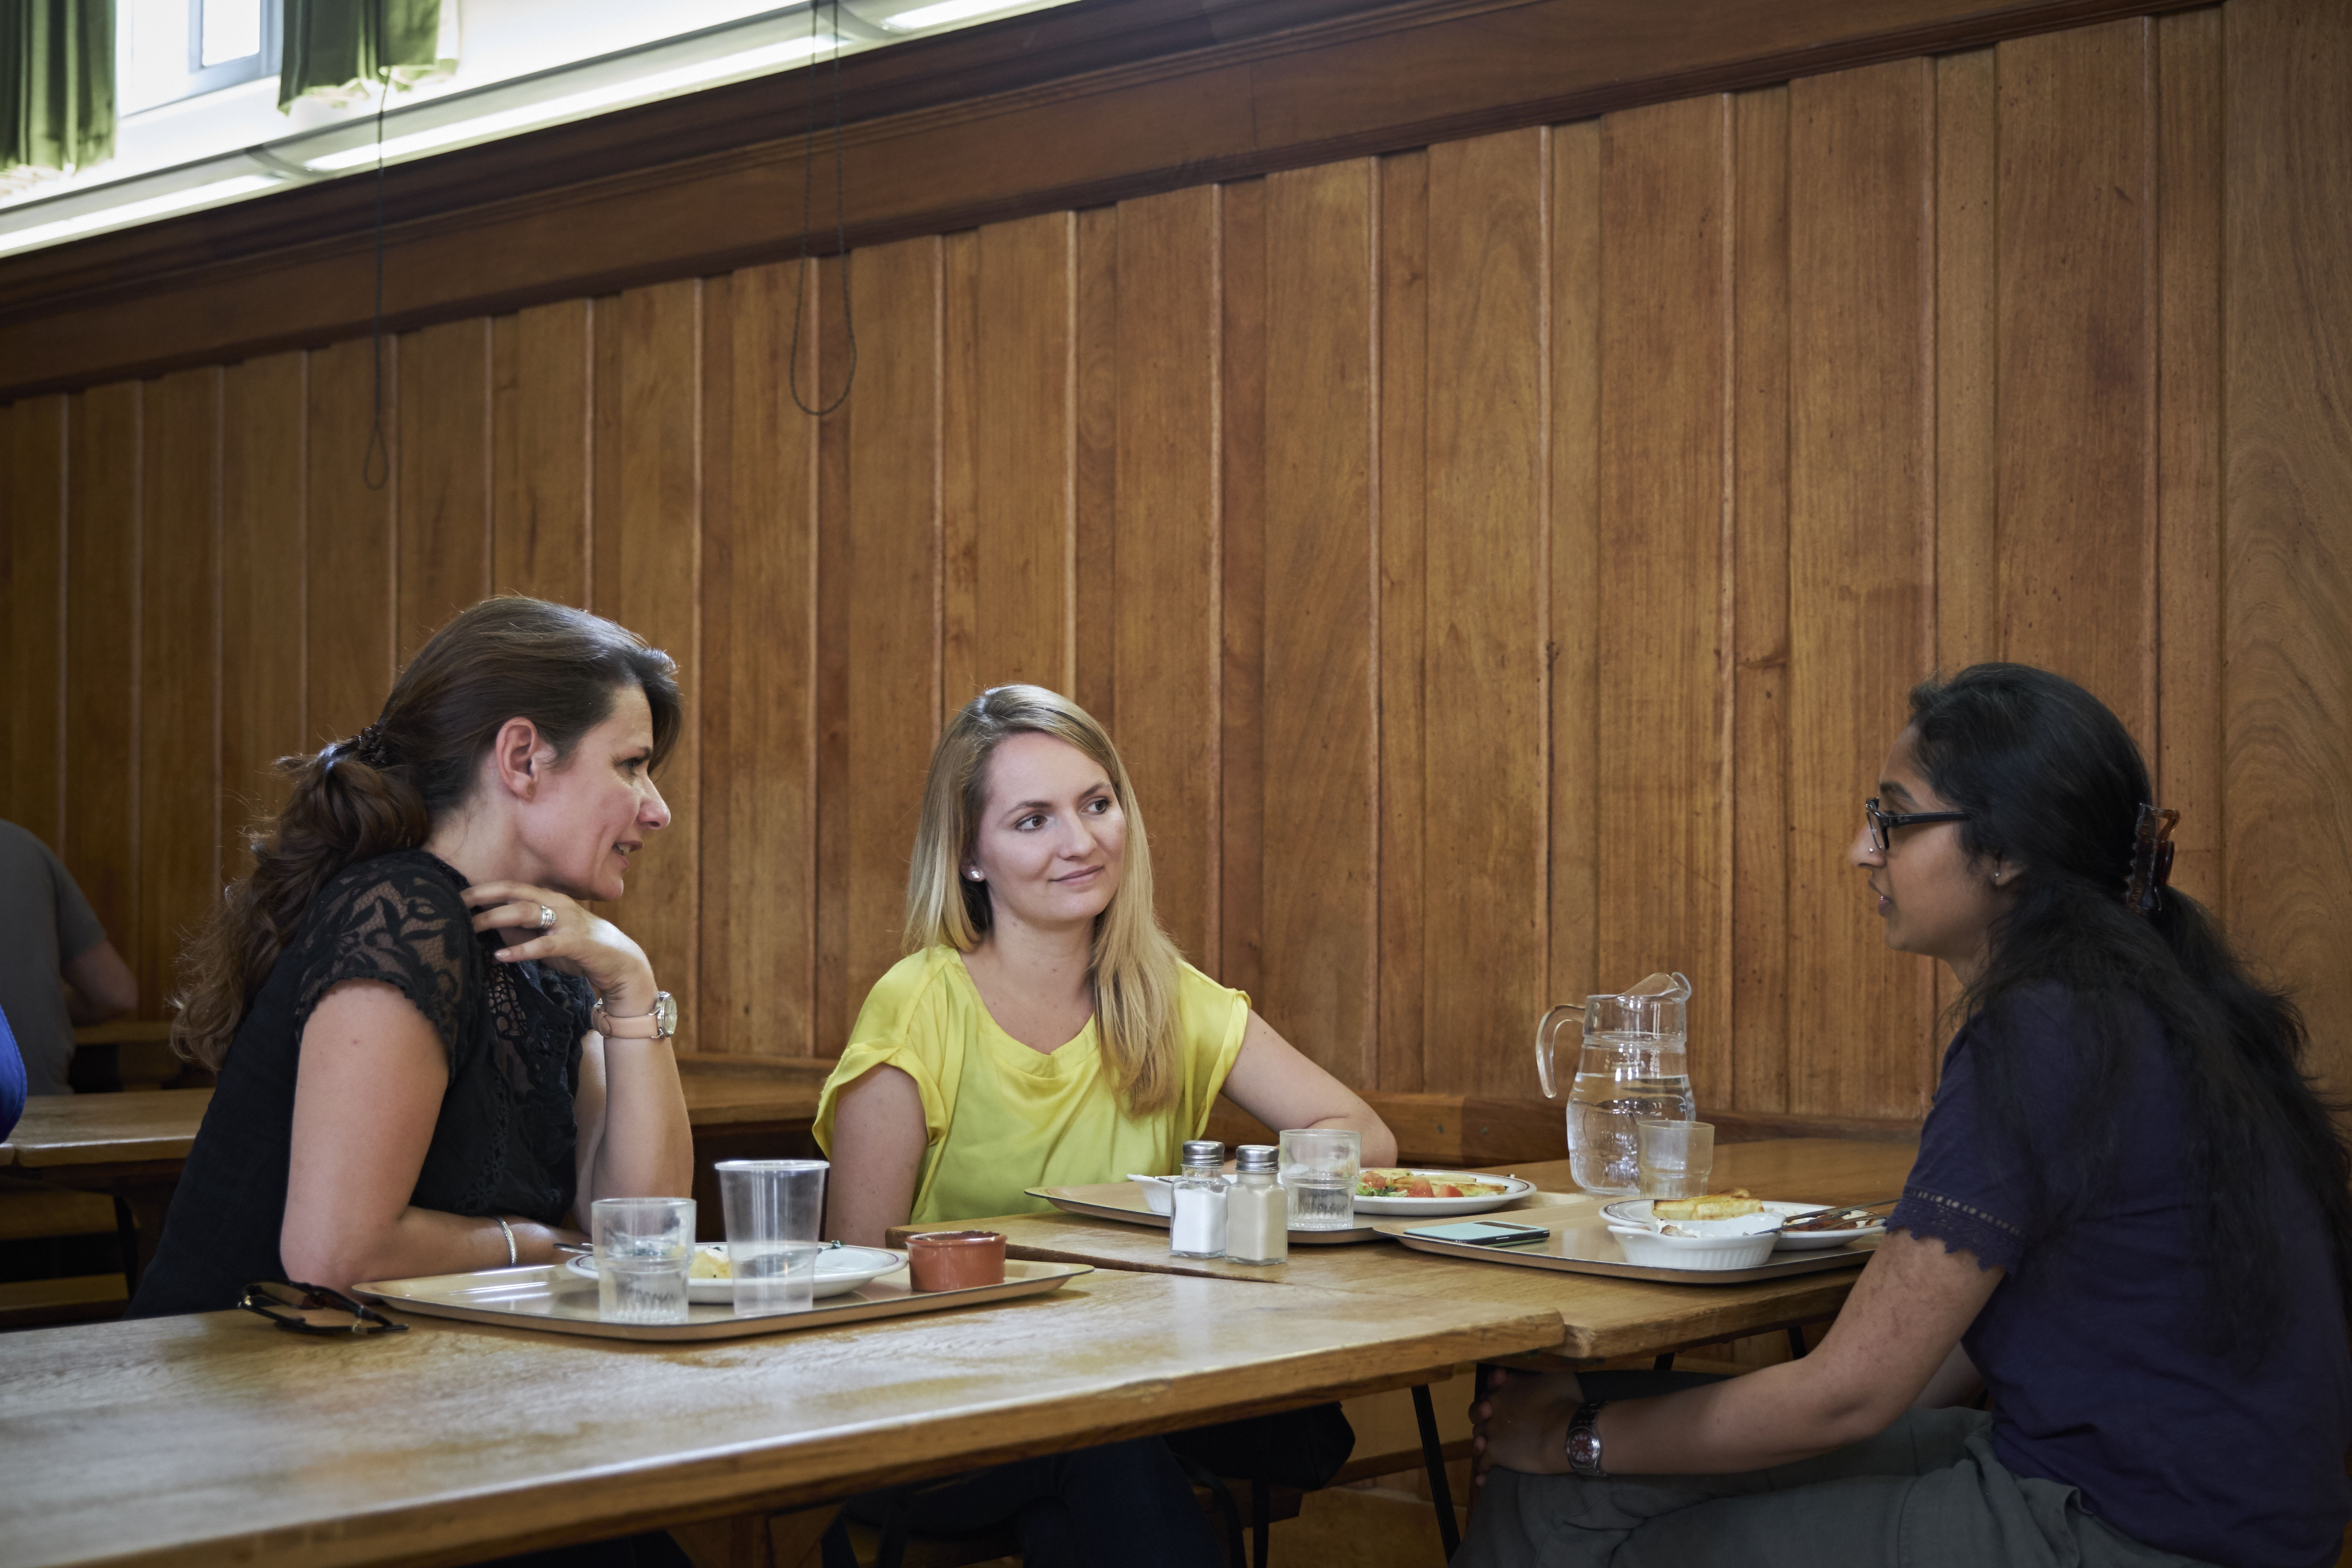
column 371, row 747
column 2151, row 865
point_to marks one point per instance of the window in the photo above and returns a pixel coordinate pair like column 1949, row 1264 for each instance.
column 167, row 50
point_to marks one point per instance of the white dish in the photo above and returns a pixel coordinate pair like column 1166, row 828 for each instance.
column 839, row 1270
column 1635, row 1212
column 1160, row 1192
column 1513, row 1189
column 1652, row 1249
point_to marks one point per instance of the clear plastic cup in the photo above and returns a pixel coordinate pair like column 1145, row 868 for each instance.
column 644, row 1248
column 1319, row 1165
column 1677, row 1158
column 774, row 1210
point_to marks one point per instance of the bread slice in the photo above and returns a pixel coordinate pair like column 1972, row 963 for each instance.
column 1709, row 1206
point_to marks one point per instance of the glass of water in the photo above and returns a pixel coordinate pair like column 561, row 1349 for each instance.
column 1319, row 1165
column 644, row 1248
column 774, row 1208
column 1677, row 1158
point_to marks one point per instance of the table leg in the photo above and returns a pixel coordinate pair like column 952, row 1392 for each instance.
column 1433, row 1454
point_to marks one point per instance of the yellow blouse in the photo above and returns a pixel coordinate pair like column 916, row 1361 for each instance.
column 1000, row 1117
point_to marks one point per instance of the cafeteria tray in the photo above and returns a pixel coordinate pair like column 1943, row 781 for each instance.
column 1121, row 1201
column 555, row 1300
column 1578, row 1242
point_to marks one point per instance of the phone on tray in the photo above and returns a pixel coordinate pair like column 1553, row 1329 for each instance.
column 1483, row 1233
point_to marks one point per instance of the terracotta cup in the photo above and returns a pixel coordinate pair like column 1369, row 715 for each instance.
column 955, row 1259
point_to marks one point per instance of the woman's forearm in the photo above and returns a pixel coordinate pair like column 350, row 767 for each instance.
column 1379, row 1146
column 646, row 1146
column 1775, row 1415
column 416, row 1242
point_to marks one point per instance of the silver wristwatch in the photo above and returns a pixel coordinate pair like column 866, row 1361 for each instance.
column 658, row 1025
column 1584, row 1441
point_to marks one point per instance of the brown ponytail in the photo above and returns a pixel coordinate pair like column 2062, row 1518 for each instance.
column 383, row 789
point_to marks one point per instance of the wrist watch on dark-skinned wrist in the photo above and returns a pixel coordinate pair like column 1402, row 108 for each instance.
column 658, row 1025
column 1584, row 1441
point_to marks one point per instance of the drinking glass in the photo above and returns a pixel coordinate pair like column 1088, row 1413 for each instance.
column 1677, row 1158
column 774, row 1208
column 644, row 1248
column 1318, row 1176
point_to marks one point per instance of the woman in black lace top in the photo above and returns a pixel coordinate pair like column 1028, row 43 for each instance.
column 403, row 1000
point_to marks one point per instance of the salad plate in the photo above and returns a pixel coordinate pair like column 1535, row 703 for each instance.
column 1393, row 1192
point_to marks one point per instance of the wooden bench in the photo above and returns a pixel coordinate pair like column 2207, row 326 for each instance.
column 32, row 1213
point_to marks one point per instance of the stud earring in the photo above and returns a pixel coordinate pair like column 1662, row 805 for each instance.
column 970, row 876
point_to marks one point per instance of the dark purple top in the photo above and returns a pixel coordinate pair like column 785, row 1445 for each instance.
column 2091, row 1344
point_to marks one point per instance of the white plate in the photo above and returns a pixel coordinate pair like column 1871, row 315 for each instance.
column 1636, row 1212
column 839, row 1269
column 1513, row 1189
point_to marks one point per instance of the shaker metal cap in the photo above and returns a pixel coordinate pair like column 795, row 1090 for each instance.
column 1258, row 1157
column 1204, row 1151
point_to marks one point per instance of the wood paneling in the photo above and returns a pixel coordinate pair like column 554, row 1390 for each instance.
column 1501, row 563
column 2287, row 697
column 179, row 669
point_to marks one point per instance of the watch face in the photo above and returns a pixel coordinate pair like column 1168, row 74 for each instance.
column 665, row 1016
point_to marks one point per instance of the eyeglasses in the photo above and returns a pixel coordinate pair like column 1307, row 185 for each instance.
column 302, row 1308
column 1883, row 824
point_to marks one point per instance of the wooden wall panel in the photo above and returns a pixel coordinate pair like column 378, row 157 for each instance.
column 350, row 561
column 1321, row 931
column 2077, row 366
column 179, row 672
column 1861, row 541
column 1402, row 611
column 755, row 688
column 444, row 531
column 263, row 579
column 540, row 443
column 648, row 545
column 1762, row 840
column 99, row 837
column 1165, row 647
column 1484, row 816
column 2287, row 701
column 32, row 650
column 1658, row 596
column 1501, row 563
column 878, row 579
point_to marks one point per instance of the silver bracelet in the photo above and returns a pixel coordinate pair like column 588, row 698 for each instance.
column 508, row 1231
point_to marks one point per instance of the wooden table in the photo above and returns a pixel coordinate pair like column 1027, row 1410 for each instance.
column 1602, row 1319
column 453, row 1441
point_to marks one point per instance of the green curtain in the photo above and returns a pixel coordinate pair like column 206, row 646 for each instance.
column 345, row 50
column 57, row 83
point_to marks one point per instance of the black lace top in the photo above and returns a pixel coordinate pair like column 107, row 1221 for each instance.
column 504, row 1141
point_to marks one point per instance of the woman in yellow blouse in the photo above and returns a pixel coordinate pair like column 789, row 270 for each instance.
column 1043, row 1029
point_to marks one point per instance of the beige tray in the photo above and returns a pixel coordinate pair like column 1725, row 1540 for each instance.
column 1121, row 1201
column 555, row 1298
column 1579, row 1242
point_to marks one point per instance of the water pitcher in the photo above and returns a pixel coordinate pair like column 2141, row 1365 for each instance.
column 1630, row 1068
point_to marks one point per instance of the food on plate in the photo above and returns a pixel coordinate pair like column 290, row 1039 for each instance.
column 1707, row 1205
column 1395, row 1183
column 710, row 1263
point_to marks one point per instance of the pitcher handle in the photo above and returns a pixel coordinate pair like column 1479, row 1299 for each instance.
column 1546, row 1033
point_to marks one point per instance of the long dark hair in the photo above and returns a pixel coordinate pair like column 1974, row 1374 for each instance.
column 2053, row 783
column 384, row 788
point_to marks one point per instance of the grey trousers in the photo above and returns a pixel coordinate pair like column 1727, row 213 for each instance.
column 1926, row 1493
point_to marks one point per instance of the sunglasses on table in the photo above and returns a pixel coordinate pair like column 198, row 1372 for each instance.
column 302, row 1308
column 1883, row 824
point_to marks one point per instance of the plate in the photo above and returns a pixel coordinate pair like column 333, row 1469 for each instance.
column 1513, row 1189
column 1636, row 1212
column 839, row 1269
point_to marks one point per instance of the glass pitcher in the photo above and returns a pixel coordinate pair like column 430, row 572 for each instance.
column 1630, row 1068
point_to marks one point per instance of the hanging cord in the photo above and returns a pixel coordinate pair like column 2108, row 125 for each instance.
column 376, row 466
column 840, row 223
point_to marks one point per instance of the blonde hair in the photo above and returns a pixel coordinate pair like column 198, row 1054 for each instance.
column 1134, row 964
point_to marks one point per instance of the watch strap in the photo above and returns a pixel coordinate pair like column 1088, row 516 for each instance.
column 660, row 1023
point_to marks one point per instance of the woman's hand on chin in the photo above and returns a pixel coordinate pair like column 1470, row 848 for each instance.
column 1519, row 1421
column 578, row 943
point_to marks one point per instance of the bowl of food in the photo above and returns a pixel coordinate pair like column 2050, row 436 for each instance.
column 1710, row 1232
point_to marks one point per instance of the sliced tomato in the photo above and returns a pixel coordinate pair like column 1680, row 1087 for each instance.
column 1445, row 1190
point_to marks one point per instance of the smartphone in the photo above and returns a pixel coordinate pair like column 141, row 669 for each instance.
column 1483, row 1233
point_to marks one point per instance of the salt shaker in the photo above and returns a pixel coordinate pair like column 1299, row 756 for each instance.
column 1196, row 1226
column 1257, row 1211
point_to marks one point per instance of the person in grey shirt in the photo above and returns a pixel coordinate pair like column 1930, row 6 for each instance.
column 50, row 939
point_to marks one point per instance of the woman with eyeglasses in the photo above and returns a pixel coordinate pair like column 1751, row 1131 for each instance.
column 433, row 1055
column 2127, row 1224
